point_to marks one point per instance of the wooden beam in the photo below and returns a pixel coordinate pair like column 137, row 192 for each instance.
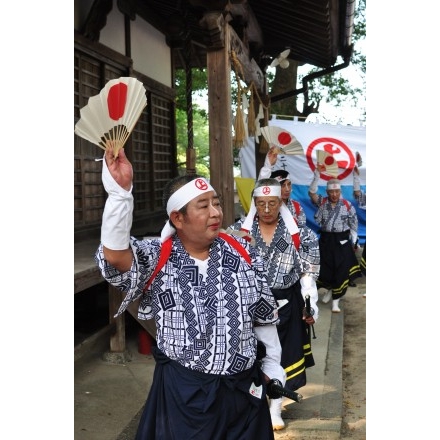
column 87, row 278
column 220, row 120
column 214, row 22
column 251, row 70
column 244, row 15
column 96, row 19
column 224, row 40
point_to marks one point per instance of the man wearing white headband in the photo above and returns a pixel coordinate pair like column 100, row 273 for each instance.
column 338, row 224
column 283, row 177
column 208, row 295
column 291, row 272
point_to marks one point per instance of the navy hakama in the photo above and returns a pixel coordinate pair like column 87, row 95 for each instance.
column 204, row 406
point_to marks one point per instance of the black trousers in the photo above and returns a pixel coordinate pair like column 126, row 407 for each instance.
column 338, row 263
column 294, row 337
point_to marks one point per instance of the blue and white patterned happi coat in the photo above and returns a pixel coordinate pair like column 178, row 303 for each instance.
column 285, row 264
column 338, row 218
column 205, row 324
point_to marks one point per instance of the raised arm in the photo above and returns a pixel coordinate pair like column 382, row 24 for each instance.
column 117, row 178
column 313, row 188
column 356, row 183
column 358, row 194
column 269, row 162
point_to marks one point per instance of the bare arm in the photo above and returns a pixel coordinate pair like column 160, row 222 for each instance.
column 314, row 197
column 120, row 260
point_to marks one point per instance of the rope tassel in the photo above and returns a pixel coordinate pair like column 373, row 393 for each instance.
column 252, row 129
column 239, row 128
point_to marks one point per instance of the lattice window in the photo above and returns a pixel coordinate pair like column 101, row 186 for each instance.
column 90, row 76
column 150, row 148
column 162, row 138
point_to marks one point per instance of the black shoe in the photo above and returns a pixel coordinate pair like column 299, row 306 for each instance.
column 352, row 284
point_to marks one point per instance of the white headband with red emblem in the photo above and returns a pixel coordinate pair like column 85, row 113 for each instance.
column 186, row 193
column 180, row 198
column 269, row 190
column 333, row 185
column 264, row 191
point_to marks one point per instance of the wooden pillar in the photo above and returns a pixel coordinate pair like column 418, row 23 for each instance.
column 117, row 339
column 220, row 121
column 222, row 39
column 190, row 152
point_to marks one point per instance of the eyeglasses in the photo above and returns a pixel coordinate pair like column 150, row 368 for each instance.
column 266, row 205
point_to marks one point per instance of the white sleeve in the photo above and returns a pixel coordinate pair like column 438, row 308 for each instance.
column 353, row 237
column 308, row 287
column 117, row 217
column 268, row 335
column 314, row 185
column 266, row 170
column 356, row 182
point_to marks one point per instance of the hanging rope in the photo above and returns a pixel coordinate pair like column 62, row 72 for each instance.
column 239, row 129
column 252, row 120
column 251, row 115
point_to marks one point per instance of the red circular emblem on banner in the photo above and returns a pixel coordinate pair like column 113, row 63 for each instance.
column 201, row 184
column 341, row 154
column 266, row 190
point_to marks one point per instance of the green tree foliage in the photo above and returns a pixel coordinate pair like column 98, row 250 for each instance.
column 337, row 87
column 334, row 88
column 199, row 86
column 200, row 143
column 200, row 125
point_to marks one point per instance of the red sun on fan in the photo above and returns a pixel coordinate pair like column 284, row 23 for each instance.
column 109, row 117
column 283, row 140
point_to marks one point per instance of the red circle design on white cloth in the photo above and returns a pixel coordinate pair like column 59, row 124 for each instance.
column 266, row 190
column 341, row 153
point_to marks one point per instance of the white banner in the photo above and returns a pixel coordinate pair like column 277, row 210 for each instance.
column 341, row 141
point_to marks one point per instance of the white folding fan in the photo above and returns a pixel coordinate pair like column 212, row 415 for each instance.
column 283, row 140
column 328, row 162
column 281, row 60
column 109, row 117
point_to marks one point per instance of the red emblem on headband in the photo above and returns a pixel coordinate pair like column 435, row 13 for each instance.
column 201, row 184
column 266, row 190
